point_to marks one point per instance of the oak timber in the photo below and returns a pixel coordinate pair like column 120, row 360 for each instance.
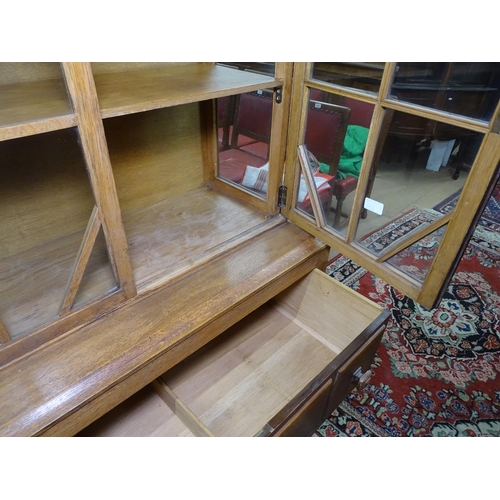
column 170, row 85
column 237, row 383
column 81, row 88
column 142, row 415
column 180, row 409
column 87, row 373
column 81, row 261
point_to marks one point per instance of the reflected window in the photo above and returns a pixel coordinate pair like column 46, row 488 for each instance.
column 357, row 75
column 49, row 217
column 244, row 135
column 464, row 88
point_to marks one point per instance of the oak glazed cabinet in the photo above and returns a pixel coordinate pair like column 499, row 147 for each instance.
column 147, row 291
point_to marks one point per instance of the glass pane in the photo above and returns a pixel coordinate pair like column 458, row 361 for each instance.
column 98, row 278
column 357, row 75
column 31, row 92
column 244, row 132
column 45, row 205
column 419, row 165
column 264, row 68
column 313, row 184
column 464, row 88
column 416, row 260
column 336, row 133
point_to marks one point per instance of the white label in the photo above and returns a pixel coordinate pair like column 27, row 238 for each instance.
column 374, row 206
column 317, row 105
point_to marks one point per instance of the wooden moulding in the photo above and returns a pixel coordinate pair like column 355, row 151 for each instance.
column 81, row 261
column 82, row 91
column 88, row 372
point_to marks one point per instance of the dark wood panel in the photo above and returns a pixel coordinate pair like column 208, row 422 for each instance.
column 345, row 381
column 309, row 417
column 358, row 351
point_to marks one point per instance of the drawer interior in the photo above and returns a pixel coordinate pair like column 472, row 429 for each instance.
column 239, row 381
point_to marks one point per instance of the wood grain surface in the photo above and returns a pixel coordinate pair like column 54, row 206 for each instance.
column 69, row 383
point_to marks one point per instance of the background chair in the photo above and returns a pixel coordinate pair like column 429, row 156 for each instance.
column 360, row 114
column 251, row 130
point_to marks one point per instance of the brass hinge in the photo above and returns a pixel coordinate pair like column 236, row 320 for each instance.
column 279, row 94
column 282, row 196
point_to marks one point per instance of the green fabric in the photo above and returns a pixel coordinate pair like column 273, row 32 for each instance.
column 324, row 168
column 352, row 152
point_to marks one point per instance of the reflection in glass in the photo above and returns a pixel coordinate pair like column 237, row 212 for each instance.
column 244, row 134
column 98, row 278
column 416, row 260
column 46, row 201
column 314, row 192
column 31, row 92
column 336, row 133
column 420, row 164
column 357, row 75
column 464, row 88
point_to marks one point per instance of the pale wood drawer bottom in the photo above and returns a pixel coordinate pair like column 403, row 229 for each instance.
column 240, row 381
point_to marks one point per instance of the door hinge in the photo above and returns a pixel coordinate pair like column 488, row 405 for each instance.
column 279, row 94
column 282, row 196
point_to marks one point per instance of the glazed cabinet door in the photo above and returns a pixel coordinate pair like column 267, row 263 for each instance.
column 375, row 152
column 63, row 254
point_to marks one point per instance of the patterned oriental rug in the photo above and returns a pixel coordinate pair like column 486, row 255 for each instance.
column 436, row 372
column 491, row 215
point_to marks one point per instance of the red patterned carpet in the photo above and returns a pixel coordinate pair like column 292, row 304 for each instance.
column 437, row 372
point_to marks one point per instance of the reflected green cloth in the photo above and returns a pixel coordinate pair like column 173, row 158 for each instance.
column 352, row 153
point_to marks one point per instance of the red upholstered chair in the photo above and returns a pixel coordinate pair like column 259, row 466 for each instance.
column 249, row 134
column 225, row 118
column 324, row 137
column 252, row 123
column 360, row 114
column 325, row 131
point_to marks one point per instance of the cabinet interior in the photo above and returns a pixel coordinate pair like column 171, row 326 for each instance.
column 171, row 217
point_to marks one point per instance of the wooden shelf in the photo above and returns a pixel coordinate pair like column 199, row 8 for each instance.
column 134, row 91
column 165, row 239
column 180, row 232
column 34, row 107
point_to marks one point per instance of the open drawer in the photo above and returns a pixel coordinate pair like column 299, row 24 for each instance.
column 279, row 371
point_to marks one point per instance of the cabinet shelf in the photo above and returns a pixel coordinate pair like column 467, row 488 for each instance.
column 164, row 238
column 181, row 231
column 34, row 107
column 128, row 92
